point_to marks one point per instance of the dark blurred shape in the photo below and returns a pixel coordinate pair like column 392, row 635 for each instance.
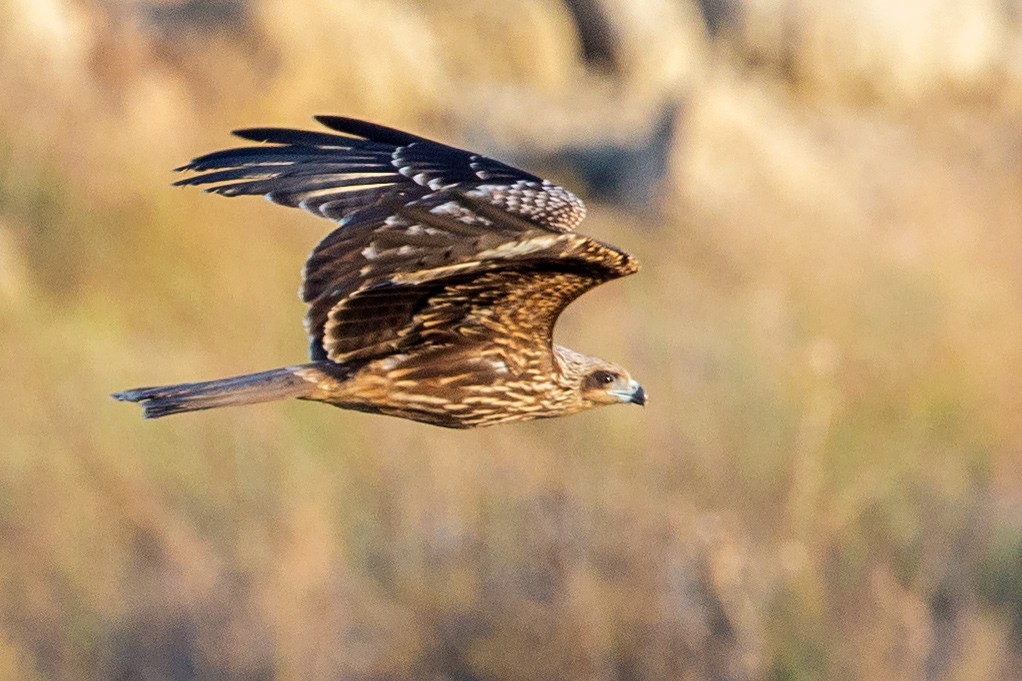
column 718, row 14
column 625, row 174
column 195, row 16
column 158, row 647
column 595, row 34
column 998, row 582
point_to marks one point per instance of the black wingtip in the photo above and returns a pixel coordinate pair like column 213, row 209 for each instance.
column 263, row 134
column 334, row 122
column 373, row 132
column 344, row 124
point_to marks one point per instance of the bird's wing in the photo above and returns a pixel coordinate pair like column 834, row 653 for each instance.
column 368, row 165
column 436, row 245
column 461, row 272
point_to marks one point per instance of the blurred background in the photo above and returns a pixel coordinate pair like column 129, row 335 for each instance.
column 827, row 201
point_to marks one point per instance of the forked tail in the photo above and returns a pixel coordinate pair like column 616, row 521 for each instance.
column 265, row 386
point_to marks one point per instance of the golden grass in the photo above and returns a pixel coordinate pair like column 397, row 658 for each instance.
column 824, row 484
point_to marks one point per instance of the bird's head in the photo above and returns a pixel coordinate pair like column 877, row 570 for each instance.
column 598, row 381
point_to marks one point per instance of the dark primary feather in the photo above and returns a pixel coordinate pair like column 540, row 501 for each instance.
column 374, row 131
column 436, row 245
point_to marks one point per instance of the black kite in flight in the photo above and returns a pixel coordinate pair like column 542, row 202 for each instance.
column 436, row 296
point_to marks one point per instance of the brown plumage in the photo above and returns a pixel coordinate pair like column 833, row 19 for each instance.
column 435, row 297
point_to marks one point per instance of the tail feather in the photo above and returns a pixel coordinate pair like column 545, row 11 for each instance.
column 265, row 386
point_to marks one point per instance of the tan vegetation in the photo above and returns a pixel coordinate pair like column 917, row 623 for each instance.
column 825, row 483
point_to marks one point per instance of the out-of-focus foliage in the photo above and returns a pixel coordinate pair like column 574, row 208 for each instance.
column 827, row 199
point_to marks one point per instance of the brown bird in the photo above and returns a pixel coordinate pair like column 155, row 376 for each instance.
column 436, row 296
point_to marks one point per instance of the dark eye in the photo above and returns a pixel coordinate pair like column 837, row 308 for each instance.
column 603, row 377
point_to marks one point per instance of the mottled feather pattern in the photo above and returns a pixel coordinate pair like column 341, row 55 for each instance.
column 435, row 296
column 541, row 202
column 521, row 285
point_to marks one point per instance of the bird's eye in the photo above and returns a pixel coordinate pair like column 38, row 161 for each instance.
column 603, row 377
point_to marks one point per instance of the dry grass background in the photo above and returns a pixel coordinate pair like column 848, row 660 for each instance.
column 825, row 484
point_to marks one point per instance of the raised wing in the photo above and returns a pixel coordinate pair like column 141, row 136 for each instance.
column 436, row 245
column 337, row 176
column 446, row 276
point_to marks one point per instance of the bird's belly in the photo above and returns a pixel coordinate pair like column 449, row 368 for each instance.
column 457, row 398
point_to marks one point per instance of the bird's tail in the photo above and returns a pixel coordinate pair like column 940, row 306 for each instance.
column 265, row 386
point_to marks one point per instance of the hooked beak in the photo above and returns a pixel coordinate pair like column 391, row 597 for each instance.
column 634, row 395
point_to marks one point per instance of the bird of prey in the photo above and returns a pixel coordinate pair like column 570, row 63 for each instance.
column 435, row 297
